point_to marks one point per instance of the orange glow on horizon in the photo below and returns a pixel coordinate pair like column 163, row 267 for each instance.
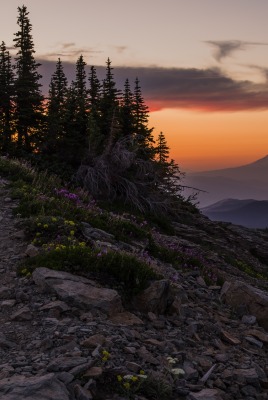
column 203, row 141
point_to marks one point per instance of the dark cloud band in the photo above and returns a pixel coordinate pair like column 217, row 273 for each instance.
column 199, row 89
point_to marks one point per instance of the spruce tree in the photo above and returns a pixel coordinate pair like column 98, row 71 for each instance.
column 126, row 112
column 82, row 105
column 6, row 99
column 143, row 134
column 162, row 149
column 95, row 136
column 56, row 110
column 109, row 104
column 29, row 100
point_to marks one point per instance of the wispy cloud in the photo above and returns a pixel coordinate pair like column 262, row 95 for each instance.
column 225, row 48
column 69, row 51
column 120, row 49
column 185, row 88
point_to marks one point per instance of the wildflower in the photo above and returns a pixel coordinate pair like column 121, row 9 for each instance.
column 172, row 360
column 128, row 377
column 45, row 226
column 82, row 244
column 119, row 378
column 37, row 234
column 53, row 219
column 72, row 233
column 134, row 378
column 106, row 353
column 104, row 359
column 39, row 224
column 142, row 372
column 177, row 371
column 127, row 385
column 142, row 376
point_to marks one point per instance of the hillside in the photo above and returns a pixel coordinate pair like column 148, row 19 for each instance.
column 249, row 213
column 78, row 324
column 245, row 182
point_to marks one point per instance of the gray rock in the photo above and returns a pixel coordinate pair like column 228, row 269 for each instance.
column 78, row 291
column 65, row 363
column 154, row 299
column 256, row 300
column 46, row 387
column 206, row 394
column 23, row 314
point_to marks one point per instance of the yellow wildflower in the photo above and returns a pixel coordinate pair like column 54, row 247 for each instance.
column 127, row 385
column 119, row 378
column 45, row 225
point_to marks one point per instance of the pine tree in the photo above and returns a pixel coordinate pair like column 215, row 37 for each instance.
column 126, row 112
column 6, row 99
column 29, row 100
column 109, row 104
column 56, row 109
column 95, row 136
column 143, row 134
column 82, row 106
column 162, row 149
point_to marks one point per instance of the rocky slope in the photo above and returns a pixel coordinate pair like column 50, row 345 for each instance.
column 66, row 338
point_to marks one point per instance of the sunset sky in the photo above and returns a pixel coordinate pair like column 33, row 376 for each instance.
column 202, row 64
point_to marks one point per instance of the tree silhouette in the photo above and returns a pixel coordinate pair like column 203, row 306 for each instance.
column 29, row 100
column 6, row 99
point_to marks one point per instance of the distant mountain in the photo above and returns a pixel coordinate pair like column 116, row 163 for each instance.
column 247, row 181
column 249, row 213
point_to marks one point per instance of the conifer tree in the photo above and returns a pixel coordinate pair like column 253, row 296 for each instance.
column 6, row 99
column 143, row 134
column 109, row 104
column 95, row 136
column 56, row 109
column 82, row 106
column 162, row 149
column 29, row 100
column 126, row 112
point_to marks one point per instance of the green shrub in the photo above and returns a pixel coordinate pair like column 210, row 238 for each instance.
column 117, row 269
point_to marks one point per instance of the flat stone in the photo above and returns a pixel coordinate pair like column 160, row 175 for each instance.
column 44, row 387
column 206, row 394
column 94, row 341
column 230, row 338
column 78, row 291
column 23, row 314
column 93, row 372
column 256, row 300
column 254, row 341
column 262, row 336
column 65, row 363
column 126, row 319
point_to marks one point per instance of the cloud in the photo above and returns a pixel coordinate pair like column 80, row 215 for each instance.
column 67, row 45
column 120, row 49
column 185, row 88
column 69, row 51
column 262, row 70
column 225, row 48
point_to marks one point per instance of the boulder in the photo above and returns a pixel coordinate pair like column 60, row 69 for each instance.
column 78, row 291
column 239, row 293
column 44, row 387
column 154, row 299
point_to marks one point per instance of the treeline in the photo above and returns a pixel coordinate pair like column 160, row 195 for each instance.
column 88, row 130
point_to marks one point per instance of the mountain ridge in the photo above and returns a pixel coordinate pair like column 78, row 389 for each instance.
column 243, row 182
